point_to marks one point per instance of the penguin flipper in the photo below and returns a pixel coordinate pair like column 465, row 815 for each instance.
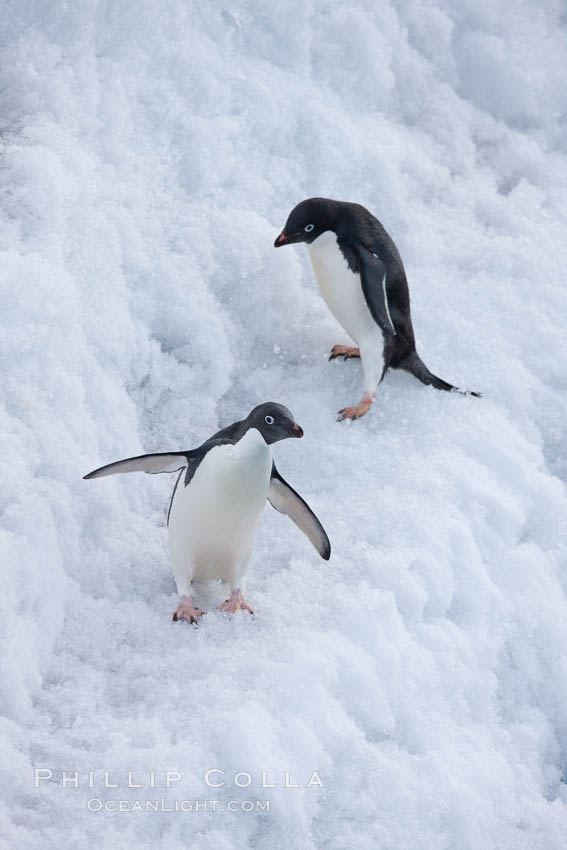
column 153, row 464
column 372, row 278
column 284, row 499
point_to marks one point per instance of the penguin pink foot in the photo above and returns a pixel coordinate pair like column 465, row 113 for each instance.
column 187, row 611
column 344, row 351
column 235, row 603
column 358, row 410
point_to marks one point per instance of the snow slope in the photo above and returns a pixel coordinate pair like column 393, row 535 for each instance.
column 151, row 153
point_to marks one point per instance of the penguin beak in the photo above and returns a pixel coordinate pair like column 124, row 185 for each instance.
column 294, row 430
column 285, row 240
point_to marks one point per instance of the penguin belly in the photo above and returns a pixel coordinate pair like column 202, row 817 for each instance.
column 342, row 290
column 213, row 520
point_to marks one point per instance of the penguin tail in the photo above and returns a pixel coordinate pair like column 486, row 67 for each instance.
column 413, row 364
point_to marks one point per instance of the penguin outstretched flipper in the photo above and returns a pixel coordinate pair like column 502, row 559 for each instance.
column 286, row 500
column 152, row 463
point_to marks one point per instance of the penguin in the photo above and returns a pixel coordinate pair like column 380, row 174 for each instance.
column 361, row 276
column 218, row 500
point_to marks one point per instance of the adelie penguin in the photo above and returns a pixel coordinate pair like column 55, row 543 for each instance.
column 218, row 500
column 362, row 279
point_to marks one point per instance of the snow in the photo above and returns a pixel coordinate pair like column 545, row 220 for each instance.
column 151, row 154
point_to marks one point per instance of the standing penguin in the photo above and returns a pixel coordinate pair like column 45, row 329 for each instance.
column 362, row 279
column 218, row 500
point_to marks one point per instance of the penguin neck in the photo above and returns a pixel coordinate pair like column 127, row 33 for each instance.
column 252, row 446
column 247, row 466
column 327, row 239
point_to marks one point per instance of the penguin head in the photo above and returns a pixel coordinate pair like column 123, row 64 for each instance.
column 307, row 221
column 274, row 422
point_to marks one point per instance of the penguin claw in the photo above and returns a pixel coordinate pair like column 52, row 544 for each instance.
column 344, row 351
column 234, row 603
column 347, row 413
column 357, row 410
column 187, row 611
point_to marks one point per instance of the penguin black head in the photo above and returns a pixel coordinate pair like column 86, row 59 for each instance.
column 307, row 221
column 274, row 422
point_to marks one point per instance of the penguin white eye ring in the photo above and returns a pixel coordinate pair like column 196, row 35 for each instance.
column 308, row 228
column 218, row 499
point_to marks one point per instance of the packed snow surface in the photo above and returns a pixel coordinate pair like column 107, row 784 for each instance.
column 151, row 154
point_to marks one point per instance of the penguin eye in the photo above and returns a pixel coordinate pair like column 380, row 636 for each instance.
column 308, row 228
column 269, row 420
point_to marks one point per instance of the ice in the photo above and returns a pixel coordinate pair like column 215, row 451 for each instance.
column 151, row 154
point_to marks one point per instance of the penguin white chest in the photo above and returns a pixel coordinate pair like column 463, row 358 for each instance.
column 213, row 520
column 341, row 288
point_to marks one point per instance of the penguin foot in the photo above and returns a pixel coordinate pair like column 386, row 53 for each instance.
column 187, row 611
column 235, row 603
column 358, row 410
column 344, row 351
